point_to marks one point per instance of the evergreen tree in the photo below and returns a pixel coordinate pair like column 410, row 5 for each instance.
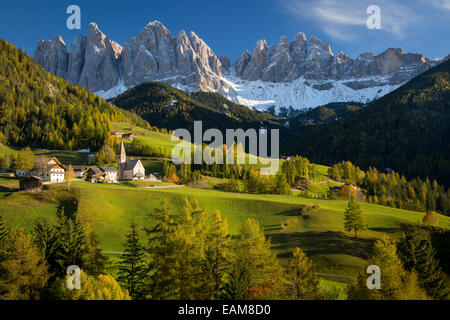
column 72, row 239
column 47, row 241
column 239, row 280
column 162, row 266
column 132, row 269
column 190, row 244
column 281, row 185
column 253, row 249
column 304, row 281
column 5, row 235
column 24, row 274
column 396, row 282
column 93, row 260
column 216, row 261
column 353, row 220
column 416, row 251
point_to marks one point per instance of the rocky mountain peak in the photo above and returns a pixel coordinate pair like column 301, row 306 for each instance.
column 186, row 61
column 99, row 64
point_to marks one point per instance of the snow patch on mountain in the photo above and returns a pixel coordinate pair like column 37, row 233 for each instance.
column 299, row 94
column 302, row 93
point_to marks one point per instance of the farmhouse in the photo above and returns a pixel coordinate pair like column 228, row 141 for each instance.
column 79, row 171
column 102, row 174
column 49, row 169
column 131, row 169
column 30, row 183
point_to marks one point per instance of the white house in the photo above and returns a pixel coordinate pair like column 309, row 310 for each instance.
column 103, row 174
column 49, row 169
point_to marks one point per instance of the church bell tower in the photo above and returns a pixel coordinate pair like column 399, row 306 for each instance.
column 122, row 160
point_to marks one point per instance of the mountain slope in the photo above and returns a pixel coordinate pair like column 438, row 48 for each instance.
column 38, row 109
column 167, row 107
column 301, row 73
column 407, row 130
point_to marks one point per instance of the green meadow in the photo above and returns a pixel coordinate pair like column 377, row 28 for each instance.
column 289, row 221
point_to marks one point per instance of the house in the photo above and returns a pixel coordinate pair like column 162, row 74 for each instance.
column 129, row 136
column 30, row 183
column 46, row 168
column 111, row 174
column 116, row 134
column 79, row 171
column 49, row 169
column 95, row 175
column 154, row 177
column 102, row 174
column 131, row 169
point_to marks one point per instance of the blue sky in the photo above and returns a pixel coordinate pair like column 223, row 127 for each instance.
column 232, row 26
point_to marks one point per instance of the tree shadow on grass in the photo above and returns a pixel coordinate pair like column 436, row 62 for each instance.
column 272, row 227
column 385, row 230
column 329, row 242
column 291, row 212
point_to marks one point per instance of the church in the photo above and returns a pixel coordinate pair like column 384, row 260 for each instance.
column 131, row 169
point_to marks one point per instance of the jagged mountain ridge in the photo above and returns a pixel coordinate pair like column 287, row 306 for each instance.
column 298, row 74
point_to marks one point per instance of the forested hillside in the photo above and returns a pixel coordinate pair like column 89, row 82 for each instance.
column 407, row 130
column 38, row 109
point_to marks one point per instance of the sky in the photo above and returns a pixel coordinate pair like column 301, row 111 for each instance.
column 232, row 26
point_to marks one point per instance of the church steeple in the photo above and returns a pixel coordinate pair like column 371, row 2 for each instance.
column 122, row 159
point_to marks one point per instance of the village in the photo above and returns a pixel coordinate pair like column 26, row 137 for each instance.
column 49, row 170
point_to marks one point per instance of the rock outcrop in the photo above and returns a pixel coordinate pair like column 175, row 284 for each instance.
column 99, row 64
column 314, row 60
column 53, row 56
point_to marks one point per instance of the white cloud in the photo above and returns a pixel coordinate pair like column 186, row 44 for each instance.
column 344, row 18
column 444, row 4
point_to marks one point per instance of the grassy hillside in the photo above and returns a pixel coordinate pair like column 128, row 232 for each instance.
column 319, row 230
column 407, row 130
column 40, row 110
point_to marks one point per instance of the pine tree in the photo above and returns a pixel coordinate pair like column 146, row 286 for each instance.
column 353, row 216
column 162, row 265
column 190, row 244
column 239, row 280
column 93, row 260
column 216, row 261
column 5, row 235
column 72, row 239
column 24, row 274
column 281, row 185
column 304, row 281
column 47, row 241
column 253, row 250
column 416, row 251
column 132, row 270
column 396, row 282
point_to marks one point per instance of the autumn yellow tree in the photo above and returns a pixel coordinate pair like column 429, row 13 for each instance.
column 396, row 282
column 70, row 176
column 23, row 274
column 102, row 287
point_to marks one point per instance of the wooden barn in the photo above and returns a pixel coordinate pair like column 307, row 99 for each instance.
column 31, row 183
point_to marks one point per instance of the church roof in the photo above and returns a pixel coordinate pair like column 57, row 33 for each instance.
column 131, row 164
